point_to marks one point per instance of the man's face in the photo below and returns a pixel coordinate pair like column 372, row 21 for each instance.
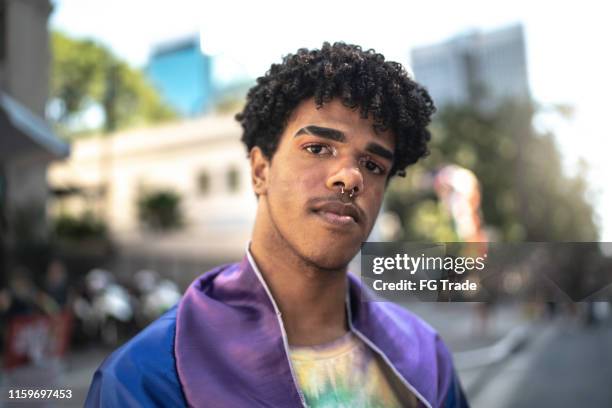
column 321, row 153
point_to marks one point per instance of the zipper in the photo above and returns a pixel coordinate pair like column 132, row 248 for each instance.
column 282, row 328
column 383, row 356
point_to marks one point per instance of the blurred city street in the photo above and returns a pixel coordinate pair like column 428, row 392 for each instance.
column 557, row 362
column 563, row 365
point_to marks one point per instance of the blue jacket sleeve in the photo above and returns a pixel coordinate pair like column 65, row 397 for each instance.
column 455, row 397
column 452, row 395
column 142, row 373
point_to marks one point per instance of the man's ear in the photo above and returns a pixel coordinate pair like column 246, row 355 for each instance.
column 259, row 171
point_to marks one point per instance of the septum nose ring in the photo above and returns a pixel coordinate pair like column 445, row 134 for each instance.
column 351, row 194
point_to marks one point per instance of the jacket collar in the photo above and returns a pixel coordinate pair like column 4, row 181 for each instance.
column 231, row 349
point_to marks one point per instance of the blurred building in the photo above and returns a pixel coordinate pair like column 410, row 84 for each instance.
column 27, row 144
column 203, row 160
column 183, row 75
column 476, row 67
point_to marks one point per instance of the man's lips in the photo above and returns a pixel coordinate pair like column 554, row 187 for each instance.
column 338, row 213
column 341, row 220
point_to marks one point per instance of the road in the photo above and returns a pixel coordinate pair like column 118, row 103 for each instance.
column 563, row 365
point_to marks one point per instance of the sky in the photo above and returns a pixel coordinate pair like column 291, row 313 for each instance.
column 566, row 43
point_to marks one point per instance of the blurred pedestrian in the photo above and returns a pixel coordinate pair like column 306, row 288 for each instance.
column 23, row 296
column 56, row 283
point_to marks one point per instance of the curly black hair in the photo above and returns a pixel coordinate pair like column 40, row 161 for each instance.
column 361, row 79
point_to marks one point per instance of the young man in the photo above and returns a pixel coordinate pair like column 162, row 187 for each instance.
column 288, row 327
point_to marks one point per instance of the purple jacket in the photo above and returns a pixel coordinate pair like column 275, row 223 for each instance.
column 230, row 350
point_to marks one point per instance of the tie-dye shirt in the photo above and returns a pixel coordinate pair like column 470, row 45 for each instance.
column 347, row 374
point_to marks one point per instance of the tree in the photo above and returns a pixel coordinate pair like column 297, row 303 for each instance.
column 160, row 210
column 525, row 193
column 86, row 74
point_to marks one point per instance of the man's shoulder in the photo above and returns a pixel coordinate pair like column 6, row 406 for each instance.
column 389, row 312
column 157, row 340
column 141, row 371
column 420, row 354
column 418, row 323
column 410, row 319
column 406, row 324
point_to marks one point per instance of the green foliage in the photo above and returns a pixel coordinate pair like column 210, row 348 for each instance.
column 230, row 104
column 231, row 99
column 72, row 228
column 525, row 194
column 76, row 72
column 160, row 210
column 86, row 74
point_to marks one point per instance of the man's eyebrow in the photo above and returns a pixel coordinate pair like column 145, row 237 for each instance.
column 378, row 150
column 335, row 134
column 327, row 133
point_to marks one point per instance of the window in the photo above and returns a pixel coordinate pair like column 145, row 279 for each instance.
column 203, row 183
column 233, row 180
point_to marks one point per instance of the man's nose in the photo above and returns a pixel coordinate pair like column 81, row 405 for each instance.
column 348, row 178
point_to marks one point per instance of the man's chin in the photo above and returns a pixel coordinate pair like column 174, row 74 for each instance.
column 331, row 258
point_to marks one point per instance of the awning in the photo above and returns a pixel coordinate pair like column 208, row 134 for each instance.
column 21, row 132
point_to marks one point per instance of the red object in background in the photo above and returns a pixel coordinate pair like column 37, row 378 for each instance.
column 36, row 337
column 459, row 190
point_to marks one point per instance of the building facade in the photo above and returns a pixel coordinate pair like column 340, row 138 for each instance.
column 27, row 144
column 202, row 160
column 475, row 68
column 25, row 53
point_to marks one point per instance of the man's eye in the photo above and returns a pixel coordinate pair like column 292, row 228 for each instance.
column 373, row 167
column 318, row 149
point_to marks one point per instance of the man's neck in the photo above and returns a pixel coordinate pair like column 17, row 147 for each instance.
column 311, row 300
